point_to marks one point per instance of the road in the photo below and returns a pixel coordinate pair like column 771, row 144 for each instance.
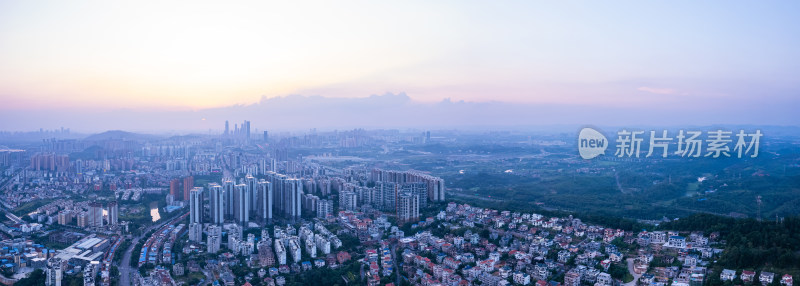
column 635, row 276
column 6, row 184
column 395, row 259
column 616, row 177
column 125, row 267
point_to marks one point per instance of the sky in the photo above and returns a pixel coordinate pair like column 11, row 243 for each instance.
column 84, row 57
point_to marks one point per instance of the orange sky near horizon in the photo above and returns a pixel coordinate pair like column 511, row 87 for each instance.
column 175, row 55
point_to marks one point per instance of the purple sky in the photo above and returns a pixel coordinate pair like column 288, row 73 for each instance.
column 165, row 66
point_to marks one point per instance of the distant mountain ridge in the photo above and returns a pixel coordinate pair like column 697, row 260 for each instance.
column 395, row 111
column 119, row 135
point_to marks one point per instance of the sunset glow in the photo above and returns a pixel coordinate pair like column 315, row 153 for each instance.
column 171, row 55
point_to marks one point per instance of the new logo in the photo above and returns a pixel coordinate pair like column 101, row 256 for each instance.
column 591, row 143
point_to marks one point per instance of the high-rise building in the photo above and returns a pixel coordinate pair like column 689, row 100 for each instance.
column 436, row 189
column 196, row 205
column 277, row 190
column 366, row 196
column 227, row 188
column 113, row 213
column 196, row 232
column 287, row 195
column 54, row 274
column 65, row 217
column 435, row 186
column 418, row 189
column 174, row 188
column 264, row 197
column 227, row 128
column 310, row 203
column 348, row 201
column 79, row 166
column 386, row 196
column 214, row 239
column 50, row 162
column 251, row 183
column 246, row 127
column 83, row 219
column 324, row 208
column 241, row 204
column 188, row 185
column 95, row 214
column 293, row 197
column 216, row 200
column 407, row 207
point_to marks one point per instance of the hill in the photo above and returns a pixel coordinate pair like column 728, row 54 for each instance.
column 119, row 135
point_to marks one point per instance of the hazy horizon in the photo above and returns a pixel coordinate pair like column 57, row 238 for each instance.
column 388, row 111
column 96, row 66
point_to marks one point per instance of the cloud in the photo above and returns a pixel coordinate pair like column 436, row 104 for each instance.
column 657, row 90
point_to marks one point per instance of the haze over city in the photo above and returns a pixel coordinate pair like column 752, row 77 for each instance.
column 94, row 66
column 399, row 143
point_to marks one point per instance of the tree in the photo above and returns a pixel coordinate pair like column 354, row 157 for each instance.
column 750, row 243
column 37, row 277
column 620, row 272
column 349, row 241
column 7, row 271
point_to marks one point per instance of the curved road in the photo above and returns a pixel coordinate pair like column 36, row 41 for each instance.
column 635, row 276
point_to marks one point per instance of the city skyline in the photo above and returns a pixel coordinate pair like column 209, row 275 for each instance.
column 398, row 111
column 356, row 142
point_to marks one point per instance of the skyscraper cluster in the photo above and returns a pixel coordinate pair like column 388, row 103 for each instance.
column 250, row 199
column 435, row 188
column 288, row 193
column 49, row 162
column 239, row 132
column 277, row 195
column 94, row 217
